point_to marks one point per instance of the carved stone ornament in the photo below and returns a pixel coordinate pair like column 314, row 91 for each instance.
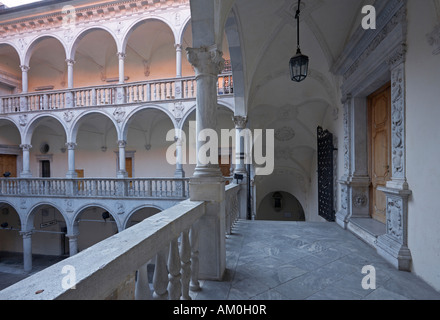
column 360, row 200
column 178, row 110
column 394, row 218
column 397, row 120
column 284, row 134
column 120, row 208
column 206, row 60
column 119, row 115
column 434, row 39
column 68, row 116
column 239, row 122
column 23, row 120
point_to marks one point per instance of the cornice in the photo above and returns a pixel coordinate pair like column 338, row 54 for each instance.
column 85, row 13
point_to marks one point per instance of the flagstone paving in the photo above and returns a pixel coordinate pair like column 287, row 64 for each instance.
column 269, row 260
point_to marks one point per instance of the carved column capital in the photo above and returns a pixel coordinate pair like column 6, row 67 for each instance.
column 25, row 147
column 122, row 143
column 24, row 68
column 71, row 145
column 70, row 62
column 26, row 234
column 121, row 55
column 178, row 47
column 239, row 122
column 206, row 60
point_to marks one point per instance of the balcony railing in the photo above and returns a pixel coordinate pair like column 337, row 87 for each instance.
column 96, row 187
column 136, row 92
column 117, row 267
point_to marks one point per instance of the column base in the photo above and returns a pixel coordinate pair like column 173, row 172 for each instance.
column 342, row 219
column 394, row 252
column 122, row 175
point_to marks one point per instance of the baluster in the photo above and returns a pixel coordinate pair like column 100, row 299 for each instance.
column 148, row 92
column 192, row 89
column 154, row 92
column 174, row 265
column 150, row 187
column 185, row 257
column 161, row 188
column 142, row 288
column 194, row 241
column 160, row 278
column 142, row 93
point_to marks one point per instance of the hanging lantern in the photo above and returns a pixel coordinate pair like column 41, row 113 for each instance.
column 299, row 64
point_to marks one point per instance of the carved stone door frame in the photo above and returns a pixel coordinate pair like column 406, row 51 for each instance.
column 371, row 59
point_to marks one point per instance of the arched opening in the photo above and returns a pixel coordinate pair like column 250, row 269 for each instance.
column 96, row 60
column 11, row 243
column 49, row 242
column 140, row 215
column 96, row 146
column 10, row 79
column 280, row 206
column 10, row 152
column 48, row 156
column 146, row 148
column 95, row 224
column 47, row 63
column 150, row 52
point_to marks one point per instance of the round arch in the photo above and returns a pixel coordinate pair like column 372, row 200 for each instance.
column 84, row 32
column 130, row 118
column 182, row 31
column 33, row 124
column 31, row 47
column 73, row 133
column 280, row 205
column 12, row 121
column 28, row 221
column 91, row 225
column 137, row 209
column 135, row 24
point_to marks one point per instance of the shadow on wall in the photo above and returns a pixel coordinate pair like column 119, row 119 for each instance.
column 280, row 206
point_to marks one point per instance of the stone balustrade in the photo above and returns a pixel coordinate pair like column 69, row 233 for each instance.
column 96, row 187
column 108, row 269
column 114, row 94
column 232, row 206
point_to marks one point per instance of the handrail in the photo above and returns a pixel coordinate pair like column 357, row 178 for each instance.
column 101, row 271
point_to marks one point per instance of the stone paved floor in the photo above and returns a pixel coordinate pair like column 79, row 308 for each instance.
column 286, row 261
column 11, row 267
column 312, row 261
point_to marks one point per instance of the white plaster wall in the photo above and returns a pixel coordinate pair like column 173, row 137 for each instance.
column 423, row 115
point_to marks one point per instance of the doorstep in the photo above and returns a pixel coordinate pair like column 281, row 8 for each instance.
column 367, row 229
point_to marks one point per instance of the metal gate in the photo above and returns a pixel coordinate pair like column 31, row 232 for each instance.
column 325, row 175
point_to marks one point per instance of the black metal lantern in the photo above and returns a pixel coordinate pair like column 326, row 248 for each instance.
column 299, row 64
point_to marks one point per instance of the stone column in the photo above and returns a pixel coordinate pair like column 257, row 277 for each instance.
column 71, row 173
column 73, row 243
column 178, row 47
column 240, row 124
column 393, row 246
column 122, row 173
column 27, row 250
column 70, row 64
column 240, row 166
column 26, row 161
column 24, row 78
column 207, row 184
column 25, row 87
column 120, row 94
column 179, row 173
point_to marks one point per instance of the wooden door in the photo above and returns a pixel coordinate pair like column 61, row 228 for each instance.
column 8, row 163
column 225, row 165
column 129, row 167
column 379, row 118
